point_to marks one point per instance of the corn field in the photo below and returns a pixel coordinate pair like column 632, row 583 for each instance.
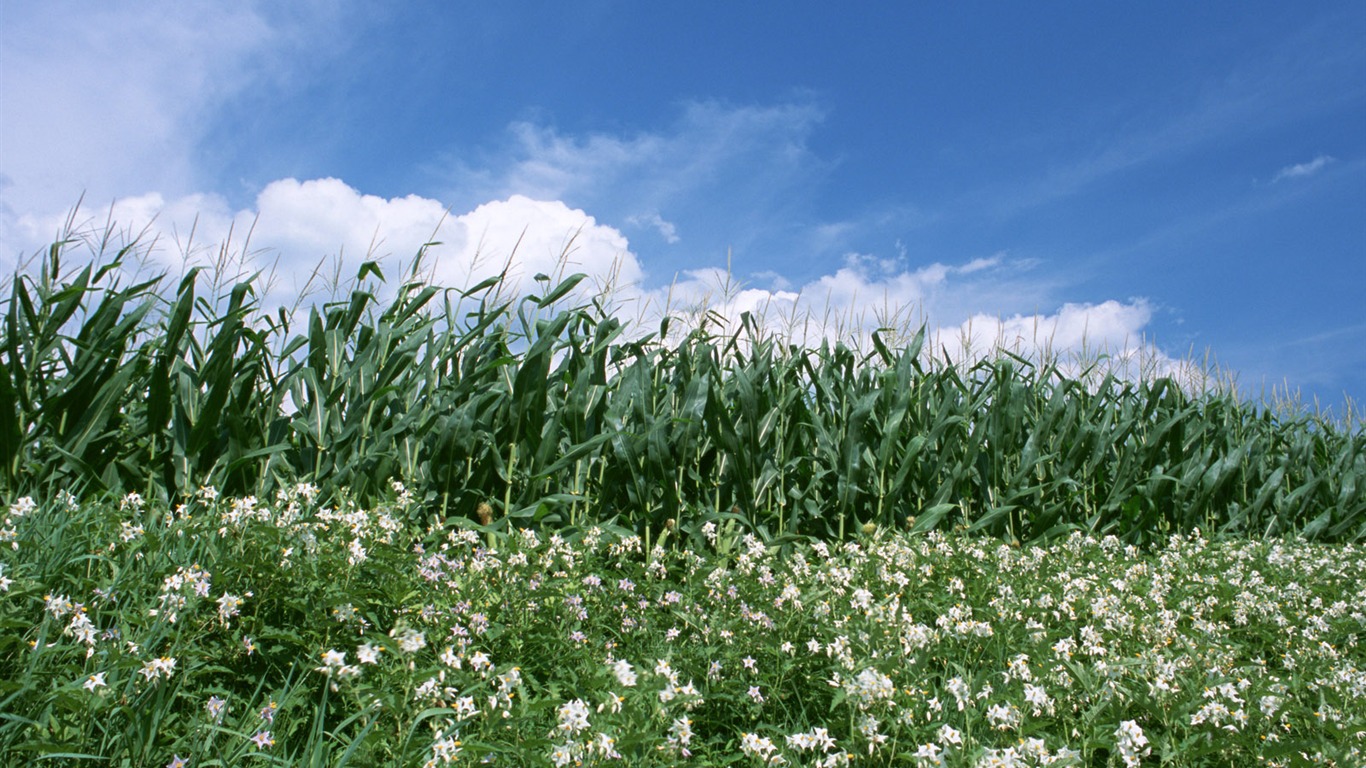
column 548, row 410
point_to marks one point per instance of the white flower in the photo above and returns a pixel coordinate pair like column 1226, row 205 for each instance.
column 58, row 605
column 81, row 628
column 1269, row 705
column 928, row 754
column 130, row 531
column 481, row 663
column 216, row 707
column 869, row 728
column 602, row 744
column 368, row 654
column 1003, row 717
column 162, row 667
column 680, row 735
column 1039, row 698
column 1131, row 743
column 228, row 606
column 562, row 754
column 357, row 553
column 818, row 739
column 759, row 746
column 22, row 507
column 869, row 687
column 333, row 661
column 612, row 703
column 573, row 716
column 446, row 749
column 625, row 674
column 410, row 640
column 961, row 692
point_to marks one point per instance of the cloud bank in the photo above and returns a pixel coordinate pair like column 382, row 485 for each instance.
column 317, row 232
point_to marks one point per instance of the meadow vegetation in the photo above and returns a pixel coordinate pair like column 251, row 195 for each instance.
column 416, row 525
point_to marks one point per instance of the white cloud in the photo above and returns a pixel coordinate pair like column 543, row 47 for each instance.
column 101, row 100
column 167, row 230
column 666, row 229
column 110, row 102
column 771, row 278
column 868, row 295
column 324, row 216
column 1109, row 326
column 976, row 265
column 294, row 225
column 1303, row 169
column 706, row 144
column 727, row 177
column 536, row 237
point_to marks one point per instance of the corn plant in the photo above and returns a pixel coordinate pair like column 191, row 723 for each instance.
column 546, row 409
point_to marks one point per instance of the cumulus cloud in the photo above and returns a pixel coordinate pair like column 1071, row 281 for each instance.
column 529, row 237
column 296, row 226
column 168, row 232
column 1301, row 170
column 870, row 295
column 305, row 220
column 1109, row 326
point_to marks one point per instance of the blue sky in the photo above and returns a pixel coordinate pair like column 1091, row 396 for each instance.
column 1159, row 179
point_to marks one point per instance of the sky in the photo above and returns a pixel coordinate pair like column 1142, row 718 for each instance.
column 1160, row 181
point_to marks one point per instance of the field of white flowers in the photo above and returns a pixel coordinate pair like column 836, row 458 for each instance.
column 225, row 632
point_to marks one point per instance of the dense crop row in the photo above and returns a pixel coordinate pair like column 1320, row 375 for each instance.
column 548, row 408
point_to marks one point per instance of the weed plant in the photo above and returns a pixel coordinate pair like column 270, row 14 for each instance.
column 245, row 631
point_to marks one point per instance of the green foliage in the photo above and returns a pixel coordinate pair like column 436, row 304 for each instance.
column 234, row 632
column 547, row 409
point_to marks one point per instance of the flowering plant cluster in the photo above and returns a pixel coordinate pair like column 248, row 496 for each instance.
column 231, row 630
